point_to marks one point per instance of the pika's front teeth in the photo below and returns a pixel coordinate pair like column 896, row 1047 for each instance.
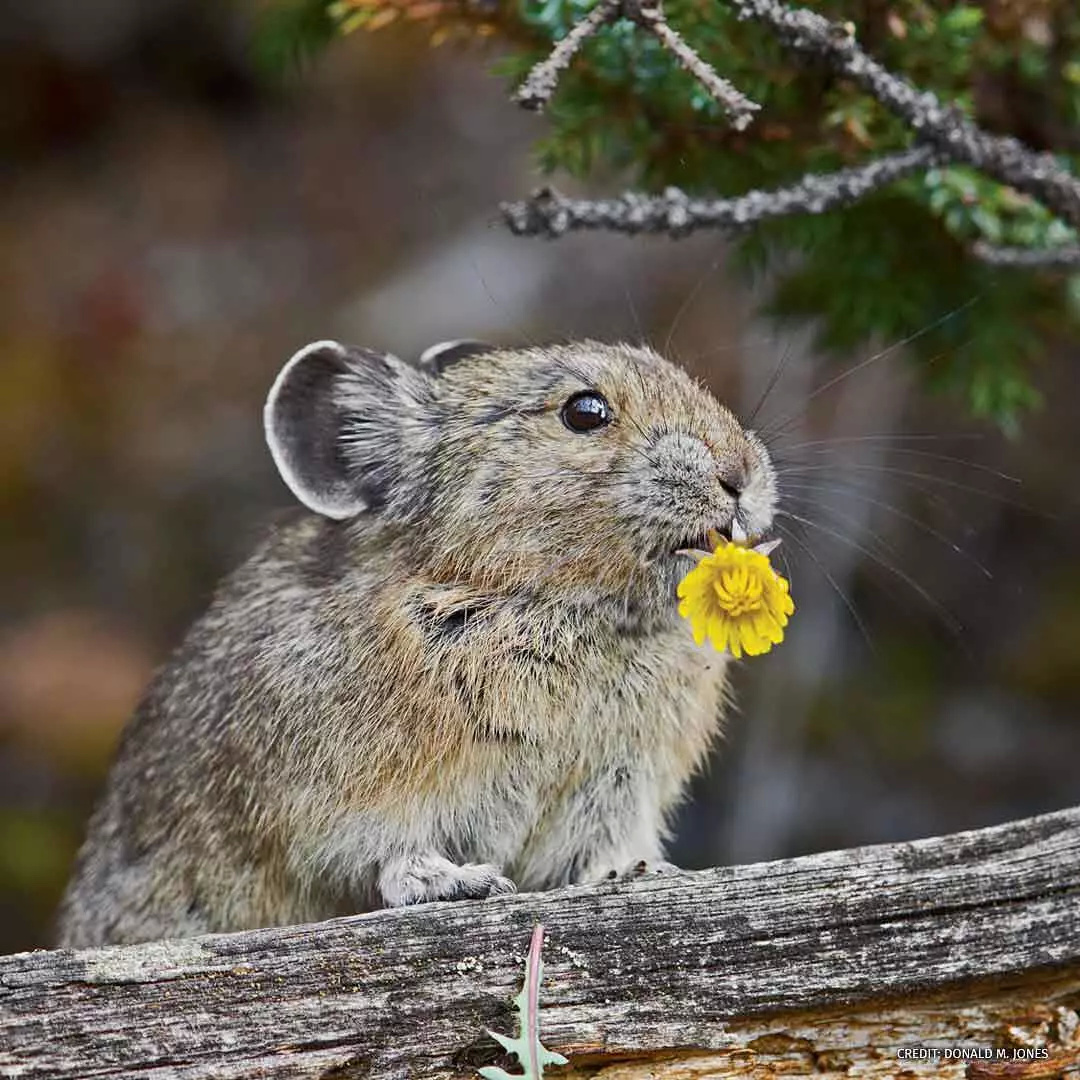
column 738, row 533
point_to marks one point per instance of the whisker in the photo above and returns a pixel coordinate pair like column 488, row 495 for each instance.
column 778, row 371
column 866, row 483
column 695, row 358
column 929, row 529
column 636, row 424
column 570, row 369
column 527, row 338
column 768, row 338
column 882, row 437
column 642, row 337
column 641, row 451
column 950, row 620
column 787, row 567
column 842, row 518
column 641, row 380
column 799, row 470
column 836, row 379
column 929, row 455
column 687, row 302
column 790, row 535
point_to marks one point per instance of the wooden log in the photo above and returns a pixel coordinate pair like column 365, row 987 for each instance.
column 848, row 963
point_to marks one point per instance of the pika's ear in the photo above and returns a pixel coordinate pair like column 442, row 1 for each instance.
column 436, row 359
column 338, row 422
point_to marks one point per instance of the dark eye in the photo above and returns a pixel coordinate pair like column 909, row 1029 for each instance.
column 586, row 411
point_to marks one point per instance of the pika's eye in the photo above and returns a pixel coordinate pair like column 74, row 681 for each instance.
column 586, row 411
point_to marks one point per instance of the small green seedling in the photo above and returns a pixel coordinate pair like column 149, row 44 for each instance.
column 527, row 1048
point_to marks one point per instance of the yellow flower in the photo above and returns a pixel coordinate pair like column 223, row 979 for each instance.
column 736, row 599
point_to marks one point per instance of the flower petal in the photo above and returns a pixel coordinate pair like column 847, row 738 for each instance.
column 735, row 599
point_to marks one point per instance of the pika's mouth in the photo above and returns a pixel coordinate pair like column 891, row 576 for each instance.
column 706, row 541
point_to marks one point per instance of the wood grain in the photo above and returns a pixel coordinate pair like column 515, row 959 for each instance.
column 827, row 965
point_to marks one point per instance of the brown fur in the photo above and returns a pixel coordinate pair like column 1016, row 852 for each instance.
column 483, row 665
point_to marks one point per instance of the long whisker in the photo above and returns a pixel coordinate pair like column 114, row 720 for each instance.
column 791, row 535
column 641, row 380
column 778, row 371
column 634, row 312
column 866, row 483
column 800, row 470
column 841, row 516
column 527, row 338
column 685, row 305
column 717, row 350
column 929, row 455
column 950, row 620
column 885, row 437
column 787, row 567
column 571, row 369
column 636, row 424
column 768, row 338
column 836, row 379
column 928, row 529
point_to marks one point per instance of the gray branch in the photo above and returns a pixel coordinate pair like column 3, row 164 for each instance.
column 549, row 213
column 939, row 126
column 829, row 963
column 944, row 126
column 739, row 108
column 1066, row 257
column 535, row 92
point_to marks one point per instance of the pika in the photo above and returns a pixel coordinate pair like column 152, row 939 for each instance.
column 459, row 671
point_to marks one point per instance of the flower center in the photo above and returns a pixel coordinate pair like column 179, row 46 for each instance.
column 738, row 591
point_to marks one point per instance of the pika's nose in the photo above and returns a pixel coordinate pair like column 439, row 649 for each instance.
column 732, row 476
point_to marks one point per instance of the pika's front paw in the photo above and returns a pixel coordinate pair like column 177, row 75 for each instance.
column 644, row 868
column 423, row 878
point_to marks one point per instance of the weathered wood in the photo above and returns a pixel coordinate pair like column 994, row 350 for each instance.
column 826, row 964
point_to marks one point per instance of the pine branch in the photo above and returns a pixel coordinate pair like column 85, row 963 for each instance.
column 549, row 213
column 945, row 126
column 945, row 136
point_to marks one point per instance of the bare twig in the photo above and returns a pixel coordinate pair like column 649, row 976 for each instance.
column 739, row 108
column 549, row 213
column 535, row 92
column 1065, row 257
column 945, row 136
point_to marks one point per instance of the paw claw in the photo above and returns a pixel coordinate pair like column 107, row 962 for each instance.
column 644, row 868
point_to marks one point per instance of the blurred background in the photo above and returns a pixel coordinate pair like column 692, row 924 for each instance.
column 173, row 225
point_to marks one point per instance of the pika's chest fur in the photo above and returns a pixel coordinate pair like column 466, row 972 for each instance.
column 486, row 723
column 510, row 716
column 581, row 678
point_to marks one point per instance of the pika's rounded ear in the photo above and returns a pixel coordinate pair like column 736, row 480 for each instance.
column 437, row 358
column 335, row 422
column 303, row 430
